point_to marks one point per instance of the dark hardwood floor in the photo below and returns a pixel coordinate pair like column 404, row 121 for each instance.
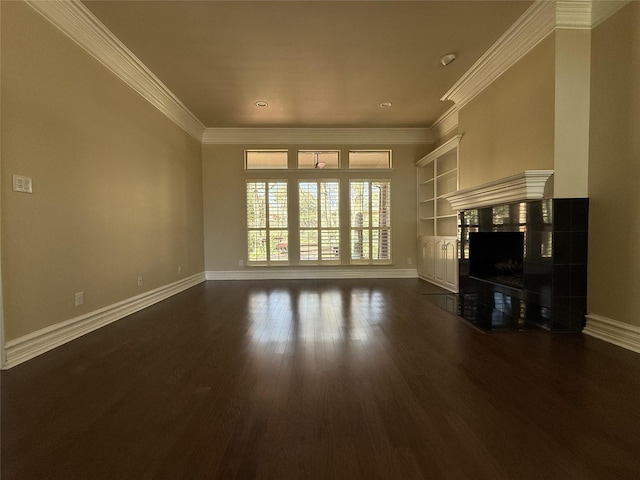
column 350, row 379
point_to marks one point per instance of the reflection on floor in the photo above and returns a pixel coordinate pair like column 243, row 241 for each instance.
column 495, row 312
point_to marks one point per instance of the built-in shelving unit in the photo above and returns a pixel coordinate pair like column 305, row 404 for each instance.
column 437, row 222
column 438, row 176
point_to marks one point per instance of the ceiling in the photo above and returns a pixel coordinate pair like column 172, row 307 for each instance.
column 315, row 63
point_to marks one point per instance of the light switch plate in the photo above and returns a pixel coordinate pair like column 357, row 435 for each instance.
column 22, row 184
column 79, row 299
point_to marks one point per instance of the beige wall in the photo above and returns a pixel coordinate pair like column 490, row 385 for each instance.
column 571, row 135
column 117, row 186
column 614, row 168
column 509, row 127
column 224, row 200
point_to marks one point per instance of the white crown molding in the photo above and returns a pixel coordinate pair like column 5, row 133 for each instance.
column 573, row 14
column 613, row 331
column 528, row 185
column 259, row 273
column 29, row 346
column 540, row 20
column 445, row 124
column 529, row 30
column 79, row 24
column 585, row 14
column 318, row 136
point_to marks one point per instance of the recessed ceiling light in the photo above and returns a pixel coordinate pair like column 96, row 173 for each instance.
column 447, row 59
column 385, row 104
column 261, row 104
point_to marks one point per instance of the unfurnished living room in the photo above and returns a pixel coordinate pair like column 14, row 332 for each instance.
column 320, row 239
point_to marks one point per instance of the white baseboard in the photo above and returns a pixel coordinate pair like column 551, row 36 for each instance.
column 613, row 331
column 29, row 346
column 258, row 273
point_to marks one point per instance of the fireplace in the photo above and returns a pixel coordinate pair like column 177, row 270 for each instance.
column 524, row 264
column 522, row 255
column 497, row 257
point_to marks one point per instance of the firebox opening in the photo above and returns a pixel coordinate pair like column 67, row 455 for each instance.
column 497, row 257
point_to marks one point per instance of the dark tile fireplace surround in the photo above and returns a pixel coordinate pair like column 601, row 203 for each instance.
column 545, row 287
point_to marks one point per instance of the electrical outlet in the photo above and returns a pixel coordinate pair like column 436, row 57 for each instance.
column 79, row 298
column 179, row 269
column 241, row 263
column 409, row 261
column 139, row 280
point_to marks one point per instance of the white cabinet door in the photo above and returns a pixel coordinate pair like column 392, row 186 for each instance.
column 427, row 260
column 440, row 264
column 450, row 263
column 446, row 262
column 438, row 261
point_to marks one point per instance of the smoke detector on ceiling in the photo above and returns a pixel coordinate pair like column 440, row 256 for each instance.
column 447, row 59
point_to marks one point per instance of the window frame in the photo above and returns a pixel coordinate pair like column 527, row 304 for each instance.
column 319, row 228
column 298, row 167
column 370, row 150
column 268, row 228
column 370, row 228
column 263, row 150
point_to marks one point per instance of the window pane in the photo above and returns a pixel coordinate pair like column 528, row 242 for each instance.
column 330, row 245
column 266, row 159
column 257, row 242
column 309, row 245
column 359, row 244
column 381, row 247
column 330, row 204
column 359, row 204
column 308, row 199
column 370, row 159
column 256, row 205
column 380, row 204
column 318, row 159
column 279, row 245
column 278, row 214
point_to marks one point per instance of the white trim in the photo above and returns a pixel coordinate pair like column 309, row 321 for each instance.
column 585, row 14
column 538, row 22
column 573, row 14
column 33, row 344
column 529, row 30
column 446, row 123
column 444, row 148
column 78, row 23
column 317, row 136
column 258, row 273
column 613, row 331
column 528, row 185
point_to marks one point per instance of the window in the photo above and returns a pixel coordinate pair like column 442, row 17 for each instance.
column 317, row 159
column 265, row 159
column 267, row 222
column 370, row 209
column 371, row 159
column 319, row 203
column 328, row 230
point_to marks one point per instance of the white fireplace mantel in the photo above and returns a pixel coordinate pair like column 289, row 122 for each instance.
column 528, row 185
